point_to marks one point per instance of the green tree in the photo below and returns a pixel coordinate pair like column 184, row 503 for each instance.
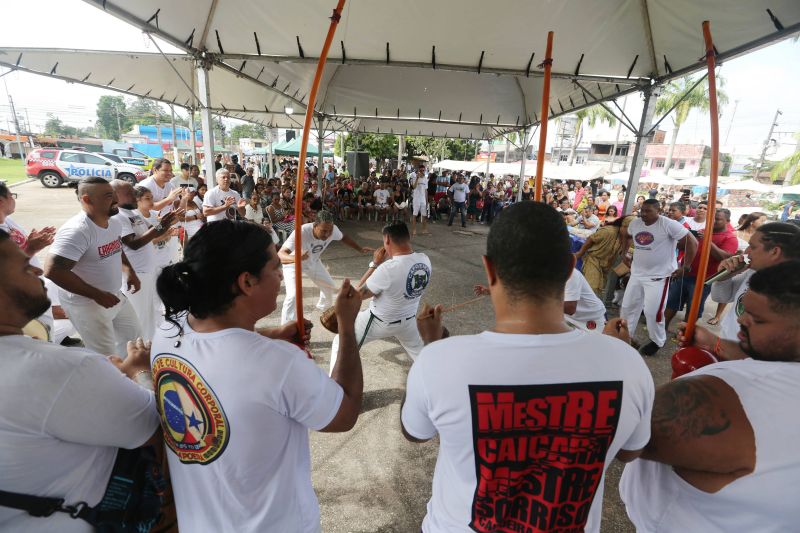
column 696, row 98
column 56, row 128
column 252, row 131
column 592, row 115
column 112, row 118
column 379, row 146
column 789, row 168
column 146, row 112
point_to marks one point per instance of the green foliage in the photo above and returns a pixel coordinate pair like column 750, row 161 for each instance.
column 782, row 168
column 56, row 128
column 252, row 131
column 384, row 146
column 146, row 112
column 112, row 117
column 379, row 146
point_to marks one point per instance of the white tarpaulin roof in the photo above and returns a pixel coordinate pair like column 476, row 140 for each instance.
column 551, row 170
column 455, row 67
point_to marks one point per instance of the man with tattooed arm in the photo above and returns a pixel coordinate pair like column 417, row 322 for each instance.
column 723, row 449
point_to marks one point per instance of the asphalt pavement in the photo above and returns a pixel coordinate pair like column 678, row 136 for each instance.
column 371, row 479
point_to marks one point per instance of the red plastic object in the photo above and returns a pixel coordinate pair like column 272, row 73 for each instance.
column 689, row 359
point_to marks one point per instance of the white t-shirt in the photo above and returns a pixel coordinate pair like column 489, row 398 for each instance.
column 193, row 226
column 159, row 193
column 460, row 191
column 178, row 180
column 254, row 214
column 380, row 196
column 731, row 291
column 421, row 190
column 311, row 244
column 589, row 307
column 398, row 285
column 654, row 246
column 236, row 410
column 527, row 425
column 66, row 411
column 143, row 259
column 694, row 225
column 658, row 500
column 98, row 252
column 215, row 197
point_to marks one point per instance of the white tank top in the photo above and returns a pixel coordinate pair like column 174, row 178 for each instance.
column 766, row 501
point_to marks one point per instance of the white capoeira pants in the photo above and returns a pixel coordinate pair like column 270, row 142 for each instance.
column 648, row 295
column 317, row 273
column 594, row 326
column 146, row 303
column 419, row 206
column 370, row 328
column 105, row 331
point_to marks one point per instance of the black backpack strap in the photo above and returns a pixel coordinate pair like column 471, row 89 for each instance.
column 40, row 506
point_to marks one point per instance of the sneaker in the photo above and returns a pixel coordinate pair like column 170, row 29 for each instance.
column 649, row 349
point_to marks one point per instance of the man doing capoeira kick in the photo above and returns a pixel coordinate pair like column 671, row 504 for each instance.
column 654, row 262
column 396, row 281
column 316, row 237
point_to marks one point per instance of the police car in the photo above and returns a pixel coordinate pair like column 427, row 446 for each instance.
column 54, row 166
column 134, row 157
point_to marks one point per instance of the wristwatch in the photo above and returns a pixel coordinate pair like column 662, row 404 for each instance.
column 160, row 227
column 372, row 265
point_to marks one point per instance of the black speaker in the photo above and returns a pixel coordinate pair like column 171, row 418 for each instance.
column 358, row 164
column 289, row 135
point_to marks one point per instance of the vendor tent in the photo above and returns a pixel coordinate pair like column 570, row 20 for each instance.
column 292, row 147
column 551, row 170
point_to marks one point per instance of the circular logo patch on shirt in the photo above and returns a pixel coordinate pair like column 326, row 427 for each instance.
column 417, row 280
column 194, row 423
column 739, row 307
column 643, row 238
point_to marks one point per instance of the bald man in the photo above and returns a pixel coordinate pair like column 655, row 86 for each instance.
column 87, row 262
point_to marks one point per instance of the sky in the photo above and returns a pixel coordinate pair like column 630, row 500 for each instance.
column 761, row 82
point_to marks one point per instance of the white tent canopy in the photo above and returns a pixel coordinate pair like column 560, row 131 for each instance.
column 455, row 67
column 551, row 170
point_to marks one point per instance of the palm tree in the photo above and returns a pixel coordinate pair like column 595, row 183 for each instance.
column 789, row 168
column 696, row 98
column 593, row 114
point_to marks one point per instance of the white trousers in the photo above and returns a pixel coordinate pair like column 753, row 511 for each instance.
column 146, row 304
column 593, row 326
column 405, row 331
column 317, row 273
column 419, row 207
column 105, row 331
column 648, row 295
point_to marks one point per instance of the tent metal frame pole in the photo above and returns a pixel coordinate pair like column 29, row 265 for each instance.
column 650, row 96
column 628, row 124
column 270, row 154
column 180, row 77
column 488, row 157
column 705, row 248
column 206, row 122
column 320, row 152
column 193, row 136
column 524, row 134
column 175, row 155
column 680, row 100
column 548, row 64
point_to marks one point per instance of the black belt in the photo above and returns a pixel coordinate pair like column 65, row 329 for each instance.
column 392, row 323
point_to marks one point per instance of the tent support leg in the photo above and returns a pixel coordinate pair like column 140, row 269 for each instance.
column 320, row 162
column 524, row 143
column 649, row 110
column 206, row 123
column 193, row 135
column 175, row 156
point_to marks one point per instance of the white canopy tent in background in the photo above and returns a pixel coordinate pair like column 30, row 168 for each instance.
column 451, row 68
column 551, row 170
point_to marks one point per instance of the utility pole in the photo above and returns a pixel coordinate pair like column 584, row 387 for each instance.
column 730, row 124
column 766, row 144
column 16, row 121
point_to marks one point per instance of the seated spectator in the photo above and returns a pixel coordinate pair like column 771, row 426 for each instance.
column 281, row 220
column 253, row 210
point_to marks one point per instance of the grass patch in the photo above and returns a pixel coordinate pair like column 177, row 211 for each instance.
column 12, row 170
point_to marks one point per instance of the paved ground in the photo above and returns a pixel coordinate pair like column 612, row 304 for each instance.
column 371, row 479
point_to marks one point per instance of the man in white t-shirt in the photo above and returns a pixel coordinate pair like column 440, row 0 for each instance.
column 221, row 202
column 395, row 281
column 582, row 307
column 381, row 196
column 64, row 412
column 458, row 191
column 654, row 262
column 530, row 413
column 166, row 197
column 419, row 184
column 770, row 245
column 137, row 236
column 315, row 237
column 184, row 179
column 87, row 261
column 723, row 451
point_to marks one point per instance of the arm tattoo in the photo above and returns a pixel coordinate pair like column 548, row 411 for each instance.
column 686, row 409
